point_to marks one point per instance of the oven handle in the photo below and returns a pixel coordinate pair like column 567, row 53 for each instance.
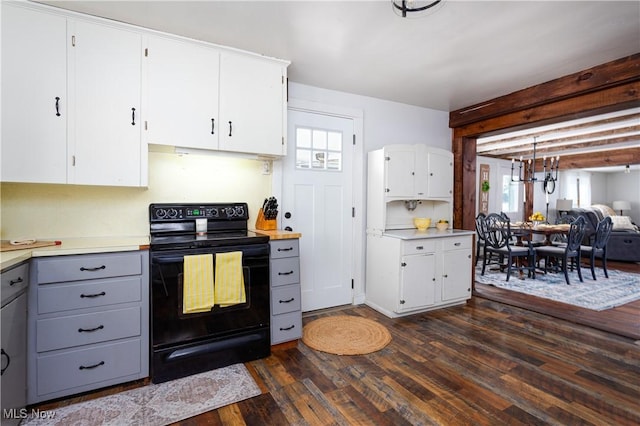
column 212, row 347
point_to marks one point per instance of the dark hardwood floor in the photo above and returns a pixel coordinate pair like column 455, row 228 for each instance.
column 623, row 320
column 482, row 363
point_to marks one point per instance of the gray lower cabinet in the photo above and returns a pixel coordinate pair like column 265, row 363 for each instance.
column 286, row 307
column 13, row 320
column 88, row 323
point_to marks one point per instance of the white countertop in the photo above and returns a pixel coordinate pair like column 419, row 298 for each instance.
column 75, row 246
column 414, row 234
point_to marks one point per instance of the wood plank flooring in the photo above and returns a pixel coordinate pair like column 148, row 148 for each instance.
column 483, row 363
column 623, row 320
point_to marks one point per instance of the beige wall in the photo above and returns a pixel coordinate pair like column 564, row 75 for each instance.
column 59, row 211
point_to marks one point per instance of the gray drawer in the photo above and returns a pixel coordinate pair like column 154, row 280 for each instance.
column 285, row 271
column 64, row 332
column 88, row 294
column 284, row 248
column 285, row 299
column 65, row 371
column 286, row 327
column 14, row 280
column 86, row 267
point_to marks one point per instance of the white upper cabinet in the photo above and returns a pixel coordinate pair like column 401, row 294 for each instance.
column 252, row 104
column 434, row 172
column 71, row 92
column 181, row 106
column 399, row 174
column 34, row 96
column 105, row 139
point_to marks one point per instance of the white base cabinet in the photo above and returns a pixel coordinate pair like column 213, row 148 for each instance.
column 88, row 323
column 407, row 276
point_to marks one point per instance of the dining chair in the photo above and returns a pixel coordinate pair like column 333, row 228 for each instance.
column 498, row 242
column 561, row 239
column 569, row 252
column 599, row 246
column 480, row 237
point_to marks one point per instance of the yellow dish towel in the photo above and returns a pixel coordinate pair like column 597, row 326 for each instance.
column 229, row 279
column 197, row 286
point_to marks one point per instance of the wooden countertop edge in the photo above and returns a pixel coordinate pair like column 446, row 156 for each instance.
column 278, row 234
column 74, row 246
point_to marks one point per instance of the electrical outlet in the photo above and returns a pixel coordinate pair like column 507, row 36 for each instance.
column 266, row 167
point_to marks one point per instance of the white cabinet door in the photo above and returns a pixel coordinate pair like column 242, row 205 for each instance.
column 181, row 107
column 417, row 282
column 440, row 179
column 456, row 278
column 34, row 96
column 399, row 171
column 105, row 137
column 252, row 113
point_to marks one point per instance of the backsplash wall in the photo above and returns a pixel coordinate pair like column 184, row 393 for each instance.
column 61, row 211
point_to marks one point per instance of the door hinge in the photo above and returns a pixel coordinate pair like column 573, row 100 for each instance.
column 146, row 52
column 354, row 139
column 353, row 212
column 351, row 283
column 146, row 127
column 283, row 141
column 73, row 160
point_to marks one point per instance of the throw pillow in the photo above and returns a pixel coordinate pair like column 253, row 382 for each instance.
column 623, row 222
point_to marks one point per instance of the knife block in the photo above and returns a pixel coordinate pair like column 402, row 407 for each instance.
column 265, row 224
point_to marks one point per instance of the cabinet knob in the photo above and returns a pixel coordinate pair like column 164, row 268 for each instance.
column 403, row 264
column 402, row 302
column 446, row 276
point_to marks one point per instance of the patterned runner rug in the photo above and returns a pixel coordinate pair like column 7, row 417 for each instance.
column 159, row 404
column 604, row 293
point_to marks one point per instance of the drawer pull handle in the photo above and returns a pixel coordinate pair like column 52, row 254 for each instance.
column 287, row 328
column 285, row 273
column 90, row 367
column 4, row 354
column 288, row 301
column 93, row 295
column 97, row 268
column 420, row 248
column 14, row 282
column 456, row 244
column 285, row 249
column 89, row 330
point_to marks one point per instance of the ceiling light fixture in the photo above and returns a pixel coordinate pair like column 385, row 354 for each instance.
column 402, row 7
column 529, row 173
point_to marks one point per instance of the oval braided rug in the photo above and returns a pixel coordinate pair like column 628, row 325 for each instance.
column 345, row 335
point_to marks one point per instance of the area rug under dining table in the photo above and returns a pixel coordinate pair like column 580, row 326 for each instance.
column 603, row 293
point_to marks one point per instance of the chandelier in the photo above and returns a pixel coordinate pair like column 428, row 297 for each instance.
column 402, row 7
column 527, row 170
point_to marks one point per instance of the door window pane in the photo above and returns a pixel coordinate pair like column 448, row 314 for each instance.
column 318, row 149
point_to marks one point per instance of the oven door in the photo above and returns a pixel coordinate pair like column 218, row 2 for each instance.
column 170, row 327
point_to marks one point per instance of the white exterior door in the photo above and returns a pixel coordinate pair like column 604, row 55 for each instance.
column 317, row 197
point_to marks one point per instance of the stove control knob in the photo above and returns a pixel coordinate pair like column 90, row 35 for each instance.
column 229, row 212
column 239, row 210
column 172, row 213
column 160, row 213
column 214, row 212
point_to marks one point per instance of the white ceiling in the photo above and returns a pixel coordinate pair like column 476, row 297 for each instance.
column 463, row 53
